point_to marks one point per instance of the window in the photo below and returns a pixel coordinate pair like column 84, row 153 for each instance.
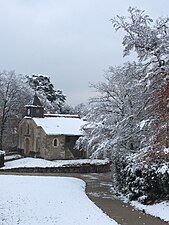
column 28, row 112
column 55, row 142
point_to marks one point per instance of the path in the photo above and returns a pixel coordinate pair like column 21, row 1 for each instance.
column 99, row 191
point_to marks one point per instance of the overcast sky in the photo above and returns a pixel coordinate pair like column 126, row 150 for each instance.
column 71, row 41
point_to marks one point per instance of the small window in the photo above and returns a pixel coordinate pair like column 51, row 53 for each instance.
column 55, row 142
column 28, row 112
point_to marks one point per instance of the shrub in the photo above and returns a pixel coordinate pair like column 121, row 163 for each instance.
column 142, row 180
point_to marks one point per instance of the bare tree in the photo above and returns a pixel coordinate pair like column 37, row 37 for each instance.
column 14, row 94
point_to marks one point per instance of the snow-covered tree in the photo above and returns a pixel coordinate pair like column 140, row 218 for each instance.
column 81, row 109
column 145, row 173
column 52, row 99
column 129, row 118
column 150, row 40
column 14, row 95
column 115, row 114
column 68, row 109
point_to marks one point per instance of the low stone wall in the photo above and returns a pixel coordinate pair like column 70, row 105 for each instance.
column 85, row 168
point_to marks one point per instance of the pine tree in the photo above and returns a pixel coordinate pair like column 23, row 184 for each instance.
column 41, row 84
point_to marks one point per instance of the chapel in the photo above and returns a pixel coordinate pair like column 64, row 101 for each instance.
column 49, row 136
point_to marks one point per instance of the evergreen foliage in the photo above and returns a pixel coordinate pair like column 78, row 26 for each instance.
column 41, row 84
column 142, row 180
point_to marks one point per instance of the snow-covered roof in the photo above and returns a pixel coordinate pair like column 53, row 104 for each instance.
column 60, row 125
column 61, row 115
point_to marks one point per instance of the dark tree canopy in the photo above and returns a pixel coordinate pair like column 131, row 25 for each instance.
column 42, row 84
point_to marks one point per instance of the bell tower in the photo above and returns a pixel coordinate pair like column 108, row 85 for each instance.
column 35, row 109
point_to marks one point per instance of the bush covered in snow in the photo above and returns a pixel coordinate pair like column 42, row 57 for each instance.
column 142, row 177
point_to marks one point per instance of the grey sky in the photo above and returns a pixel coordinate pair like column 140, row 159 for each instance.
column 72, row 41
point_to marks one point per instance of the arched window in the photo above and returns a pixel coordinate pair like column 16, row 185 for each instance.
column 55, row 142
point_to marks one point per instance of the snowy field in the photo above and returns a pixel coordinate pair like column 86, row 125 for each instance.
column 19, row 199
column 30, row 200
column 32, row 162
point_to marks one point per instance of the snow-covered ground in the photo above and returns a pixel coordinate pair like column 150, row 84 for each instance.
column 32, row 162
column 26, row 185
column 12, row 157
column 160, row 210
column 30, row 200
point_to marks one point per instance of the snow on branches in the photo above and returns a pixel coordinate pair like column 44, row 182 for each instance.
column 128, row 119
column 150, row 41
column 52, row 99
